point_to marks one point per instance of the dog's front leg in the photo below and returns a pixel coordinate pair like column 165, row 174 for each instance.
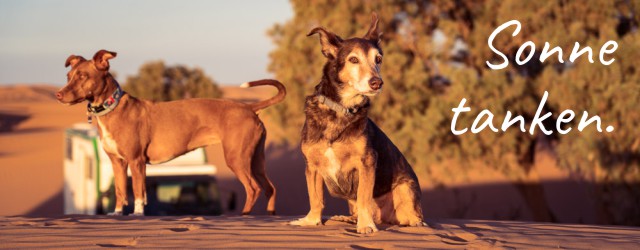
column 138, row 176
column 315, row 187
column 120, row 181
column 364, row 198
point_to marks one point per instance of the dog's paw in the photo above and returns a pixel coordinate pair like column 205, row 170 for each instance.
column 343, row 218
column 117, row 213
column 366, row 224
column 306, row 222
column 367, row 229
column 136, row 214
column 418, row 224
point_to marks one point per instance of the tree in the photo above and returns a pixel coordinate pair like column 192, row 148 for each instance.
column 157, row 82
column 435, row 53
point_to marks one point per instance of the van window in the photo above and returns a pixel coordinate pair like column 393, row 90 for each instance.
column 186, row 192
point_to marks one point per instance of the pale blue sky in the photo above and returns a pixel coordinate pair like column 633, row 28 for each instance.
column 227, row 39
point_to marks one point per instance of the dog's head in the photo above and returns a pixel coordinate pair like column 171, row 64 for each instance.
column 353, row 65
column 86, row 79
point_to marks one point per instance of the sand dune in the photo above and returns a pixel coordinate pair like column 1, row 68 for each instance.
column 248, row 94
column 272, row 232
column 27, row 93
column 32, row 153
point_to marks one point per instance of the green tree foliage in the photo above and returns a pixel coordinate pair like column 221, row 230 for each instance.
column 435, row 53
column 158, row 82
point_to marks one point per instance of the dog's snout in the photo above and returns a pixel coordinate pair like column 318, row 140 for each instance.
column 59, row 95
column 375, row 83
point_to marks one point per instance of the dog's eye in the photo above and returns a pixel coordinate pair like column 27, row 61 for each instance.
column 378, row 59
column 354, row 60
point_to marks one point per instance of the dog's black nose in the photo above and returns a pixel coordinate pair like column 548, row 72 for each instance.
column 375, row 83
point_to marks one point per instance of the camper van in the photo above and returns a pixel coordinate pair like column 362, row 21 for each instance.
column 183, row 186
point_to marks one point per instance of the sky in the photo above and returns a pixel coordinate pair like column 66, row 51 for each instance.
column 227, row 39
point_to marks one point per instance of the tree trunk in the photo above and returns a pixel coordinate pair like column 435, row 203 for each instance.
column 531, row 186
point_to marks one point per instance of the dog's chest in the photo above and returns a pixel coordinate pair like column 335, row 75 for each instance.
column 333, row 164
column 108, row 142
column 339, row 171
column 338, row 165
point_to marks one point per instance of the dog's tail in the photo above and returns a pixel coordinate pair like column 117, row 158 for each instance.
column 282, row 92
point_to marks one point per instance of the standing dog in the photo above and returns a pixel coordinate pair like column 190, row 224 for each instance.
column 345, row 149
column 135, row 132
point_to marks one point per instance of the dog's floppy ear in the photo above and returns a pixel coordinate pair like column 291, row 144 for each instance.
column 101, row 59
column 73, row 60
column 330, row 42
column 373, row 34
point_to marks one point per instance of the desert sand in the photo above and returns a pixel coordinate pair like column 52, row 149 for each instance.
column 273, row 232
column 31, row 152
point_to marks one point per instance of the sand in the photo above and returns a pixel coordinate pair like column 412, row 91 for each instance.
column 32, row 153
column 273, row 232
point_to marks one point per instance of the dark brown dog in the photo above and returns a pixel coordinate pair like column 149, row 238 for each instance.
column 134, row 132
column 345, row 149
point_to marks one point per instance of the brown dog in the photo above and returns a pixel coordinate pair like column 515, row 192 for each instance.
column 345, row 149
column 134, row 132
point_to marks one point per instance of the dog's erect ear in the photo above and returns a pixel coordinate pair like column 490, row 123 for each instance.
column 330, row 42
column 101, row 59
column 73, row 60
column 373, row 34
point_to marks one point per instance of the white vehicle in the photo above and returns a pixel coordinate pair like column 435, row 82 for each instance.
column 185, row 185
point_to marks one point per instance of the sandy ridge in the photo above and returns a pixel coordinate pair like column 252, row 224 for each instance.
column 78, row 231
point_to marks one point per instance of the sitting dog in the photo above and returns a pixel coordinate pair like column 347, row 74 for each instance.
column 134, row 132
column 345, row 149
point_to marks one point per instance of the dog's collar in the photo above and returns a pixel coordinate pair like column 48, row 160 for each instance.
column 107, row 106
column 337, row 107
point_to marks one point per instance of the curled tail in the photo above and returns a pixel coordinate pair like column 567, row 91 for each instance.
column 282, row 92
